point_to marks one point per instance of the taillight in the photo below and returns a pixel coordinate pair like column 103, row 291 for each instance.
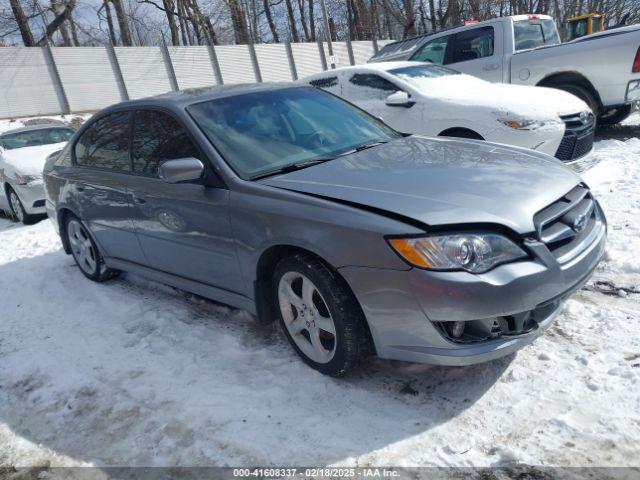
column 636, row 62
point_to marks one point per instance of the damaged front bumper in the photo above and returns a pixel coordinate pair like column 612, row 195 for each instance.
column 411, row 313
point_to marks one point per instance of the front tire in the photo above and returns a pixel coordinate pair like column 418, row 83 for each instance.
column 319, row 315
column 583, row 94
column 615, row 115
column 17, row 209
column 85, row 251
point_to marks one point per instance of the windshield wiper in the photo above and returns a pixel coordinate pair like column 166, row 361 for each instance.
column 292, row 167
column 363, row 146
column 375, row 143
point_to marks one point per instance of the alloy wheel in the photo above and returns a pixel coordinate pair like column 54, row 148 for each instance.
column 82, row 247
column 307, row 317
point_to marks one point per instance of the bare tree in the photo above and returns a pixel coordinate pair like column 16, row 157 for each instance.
column 272, row 25
column 123, row 26
column 23, row 23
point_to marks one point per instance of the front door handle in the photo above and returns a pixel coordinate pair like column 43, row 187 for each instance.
column 139, row 201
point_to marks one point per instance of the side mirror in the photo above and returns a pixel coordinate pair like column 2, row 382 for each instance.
column 52, row 156
column 181, row 170
column 399, row 99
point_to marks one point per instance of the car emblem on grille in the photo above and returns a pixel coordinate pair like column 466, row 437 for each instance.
column 585, row 117
column 579, row 223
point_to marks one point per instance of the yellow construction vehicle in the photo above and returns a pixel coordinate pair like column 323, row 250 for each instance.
column 585, row 25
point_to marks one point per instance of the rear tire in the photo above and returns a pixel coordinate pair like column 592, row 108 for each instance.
column 319, row 315
column 85, row 251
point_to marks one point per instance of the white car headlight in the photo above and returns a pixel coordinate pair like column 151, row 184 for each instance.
column 473, row 252
column 518, row 123
column 27, row 179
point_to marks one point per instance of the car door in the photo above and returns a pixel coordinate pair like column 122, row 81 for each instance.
column 476, row 52
column 183, row 228
column 97, row 185
column 369, row 91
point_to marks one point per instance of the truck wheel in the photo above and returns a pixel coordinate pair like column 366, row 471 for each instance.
column 583, row 94
column 615, row 115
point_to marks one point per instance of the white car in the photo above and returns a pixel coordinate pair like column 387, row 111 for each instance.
column 432, row 100
column 23, row 153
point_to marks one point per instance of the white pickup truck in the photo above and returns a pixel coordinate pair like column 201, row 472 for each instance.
column 602, row 69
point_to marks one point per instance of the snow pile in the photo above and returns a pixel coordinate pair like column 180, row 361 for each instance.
column 73, row 119
column 133, row 373
column 537, row 103
column 616, row 182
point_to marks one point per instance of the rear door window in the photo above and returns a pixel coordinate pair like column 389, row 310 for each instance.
column 433, row 51
column 105, row 144
column 159, row 137
column 534, row 33
column 473, row 44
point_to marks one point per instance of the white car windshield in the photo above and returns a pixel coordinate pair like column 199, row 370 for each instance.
column 35, row 138
column 535, row 32
column 414, row 75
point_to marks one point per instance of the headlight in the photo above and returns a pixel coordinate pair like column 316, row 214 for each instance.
column 473, row 252
column 26, row 179
column 524, row 123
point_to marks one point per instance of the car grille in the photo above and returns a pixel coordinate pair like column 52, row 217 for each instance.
column 569, row 225
column 578, row 136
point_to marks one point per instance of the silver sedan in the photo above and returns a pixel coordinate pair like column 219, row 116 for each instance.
column 297, row 206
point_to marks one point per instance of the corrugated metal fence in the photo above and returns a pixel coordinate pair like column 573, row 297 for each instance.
column 53, row 80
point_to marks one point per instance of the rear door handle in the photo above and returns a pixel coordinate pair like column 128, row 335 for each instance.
column 140, row 201
column 79, row 188
column 493, row 66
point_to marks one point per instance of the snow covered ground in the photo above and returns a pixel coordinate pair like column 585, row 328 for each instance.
column 134, row 373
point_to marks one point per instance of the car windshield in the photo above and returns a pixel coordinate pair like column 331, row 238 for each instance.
column 535, row 32
column 263, row 132
column 415, row 75
column 35, row 138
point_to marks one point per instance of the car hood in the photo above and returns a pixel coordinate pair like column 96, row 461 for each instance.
column 440, row 181
column 30, row 160
column 536, row 103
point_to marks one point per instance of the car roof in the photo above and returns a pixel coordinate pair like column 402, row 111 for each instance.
column 184, row 98
column 376, row 66
column 33, row 128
